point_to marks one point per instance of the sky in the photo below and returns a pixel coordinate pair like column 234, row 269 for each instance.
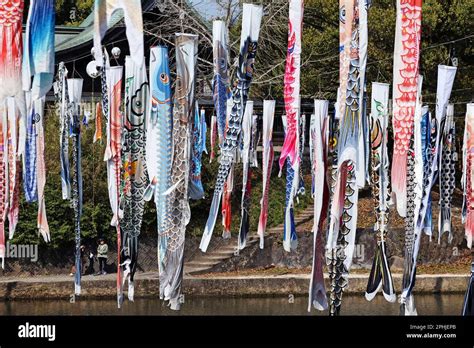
column 207, row 8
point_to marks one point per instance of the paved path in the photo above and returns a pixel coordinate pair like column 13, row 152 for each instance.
column 64, row 277
column 147, row 285
column 224, row 250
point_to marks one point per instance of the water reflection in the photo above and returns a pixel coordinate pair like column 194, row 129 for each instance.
column 352, row 305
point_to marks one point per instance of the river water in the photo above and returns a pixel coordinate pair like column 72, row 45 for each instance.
column 352, row 305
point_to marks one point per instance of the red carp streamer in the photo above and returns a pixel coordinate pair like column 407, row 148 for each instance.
column 291, row 89
column 11, row 47
column 469, row 173
column 405, row 82
column 213, row 138
column 227, row 205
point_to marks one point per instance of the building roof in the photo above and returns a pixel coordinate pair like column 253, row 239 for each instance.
column 86, row 28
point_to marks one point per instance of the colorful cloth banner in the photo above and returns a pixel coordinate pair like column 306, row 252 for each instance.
column 64, row 125
column 447, row 174
column 112, row 157
column 172, row 273
column 251, row 19
column 468, row 201
column 267, row 164
column 135, row 177
column 292, row 84
column 227, row 190
column 29, row 164
column 290, row 239
column 380, row 277
column 43, row 226
column 159, row 127
column 74, row 92
column 405, row 80
column 246, row 175
column 220, row 84
column 254, row 142
column 3, row 179
column 132, row 11
column 98, row 123
column 11, row 40
column 196, row 190
column 38, row 55
column 213, row 136
column 318, row 140
column 343, row 213
column 468, row 175
column 446, row 75
column 414, row 202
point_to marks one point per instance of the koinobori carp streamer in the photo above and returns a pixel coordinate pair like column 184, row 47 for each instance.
column 251, row 19
column 405, row 82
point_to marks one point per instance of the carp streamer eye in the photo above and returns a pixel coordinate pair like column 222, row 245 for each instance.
column 222, row 63
column 164, row 78
column 137, row 106
column 342, row 14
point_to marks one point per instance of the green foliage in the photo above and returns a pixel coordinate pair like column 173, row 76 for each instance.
column 63, row 8
column 442, row 21
column 96, row 210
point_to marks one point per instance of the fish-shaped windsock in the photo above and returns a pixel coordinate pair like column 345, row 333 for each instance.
column 64, row 129
column 14, row 167
column 159, row 137
column 380, row 277
column 317, row 289
column 98, row 122
column 468, row 175
column 196, row 190
column 74, row 94
column 446, row 75
column 112, row 157
column 267, row 164
column 447, row 174
column 290, row 153
column 171, row 275
column 3, row 180
column 221, row 89
column 134, row 174
column 227, row 190
column 11, row 41
column 213, row 138
column 38, row 56
column 132, row 11
column 30, row 186
column 363, row 154
column 405, row 81
column 414, row 205
column 292, row 83
column 114, row 139
column 43, row 226
column 344, row 208
column 251, row 20
column 246, row 175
